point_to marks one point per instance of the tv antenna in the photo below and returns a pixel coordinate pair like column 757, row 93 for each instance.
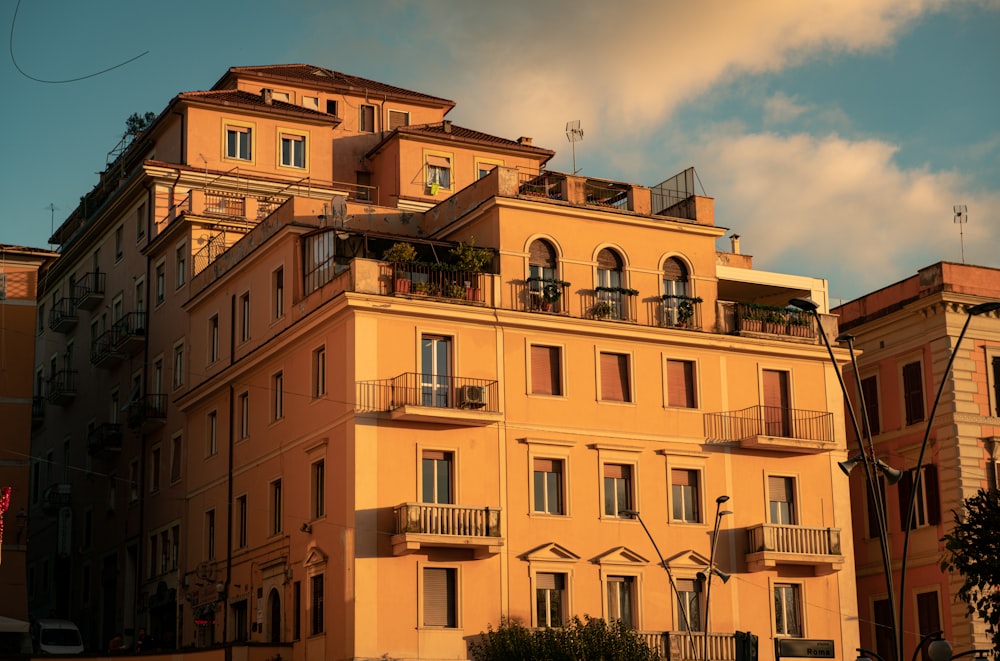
column 961, row 218
column 52, row 220
column 574, row 134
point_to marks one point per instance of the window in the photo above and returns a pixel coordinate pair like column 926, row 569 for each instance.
column 278, row 287
column 675, row 278
column 245, row 317
column 175, row 459
column 995, row 373
column 140, row 221
column 238, row 142
column 85, row 584
column 293, row 150
column 913, row 393
column 119, row 242
column 550, row 595
column 88, row 528
column 244, row 415
column 181, row 262
column 296, row 610
column 483, row 168
column 615, row 382
column 928, row 616
column 680, row 384
column 548, row 481
column 398, row 118
column 927, row 508
column 438, row 172
column 885, row 643
column 787, row 610
column 609, row 268
column 331, row 106
column 240, row 616
column 873, row 531
column 178, row 366
column 212, row 446
column 164, row 551
column 161, row 283
column 685, row 496
column 440, row 597
column 175, row 547
column 689, row 603
column 781, row 498
column 310, row 102
column 546, row 370
column 435, row 362
column 40, row 326
column 777, row 403
column 210, row 535
column 366, row 119
column 241, row 522
column 316, row 610
column 213, row 339
column 275, row 513
column 319, row 372
column 152, row 556
column 869, row 390
column 133, row 480
column 278, row 396
column 154, row 470
column 436, row 477
column 318, row 489
column 621, row 599
column 617, row 489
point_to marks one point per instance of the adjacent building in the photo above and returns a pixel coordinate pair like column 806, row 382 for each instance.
column 905, row 334
column 351, row 380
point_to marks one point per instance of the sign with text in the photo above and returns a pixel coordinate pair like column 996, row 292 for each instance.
column 804, row 648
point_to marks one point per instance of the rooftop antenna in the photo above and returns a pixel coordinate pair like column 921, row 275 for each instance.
column 574, row 134
column 961, row 218
column 52, row 221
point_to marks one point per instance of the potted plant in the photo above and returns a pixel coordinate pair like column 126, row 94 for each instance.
column 421, row 288
column 601, row 309
column 400, row 254
column 454, row 290
column 545, row 292
column 774, row 322
column 473, row 261
column 679, row 309
column 798, row 325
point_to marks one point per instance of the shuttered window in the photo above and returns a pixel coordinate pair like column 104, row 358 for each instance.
column 684, row 494
column 617, row 489
column 439, row 597
column 680, row 384
column 928, row 616
column 777, row 401
column 869, row 390
column 549, row 597
column 885, row 645
column 316, row 619
column 398, row 118
column 927, row 508
column 542, row 254
column 996, row 385
column 615, row 377
column 546, row 373
column 913, row 393
column 689, row 603
column 872, row 518
column 781, row 496
column 548, row 481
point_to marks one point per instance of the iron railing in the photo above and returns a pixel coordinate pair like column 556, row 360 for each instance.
column 105, row 437
column 772, row 537
column 61, row 386
column 147, row 408
column 63, row 315
column 432, row 280
column 217, row 245
column 433, row 390
column 542, row 295
column 89, row 290
column 758, row 319
column 56, row 496
column 546, row 185
column 452, row 520
column 614, row 304
column 221, row 203
column 607, row 194
column 769, row 421
column 679, row 312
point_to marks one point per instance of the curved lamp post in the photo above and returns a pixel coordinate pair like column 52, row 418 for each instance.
column 719, row 513
column 872, row 465
column 670, row 576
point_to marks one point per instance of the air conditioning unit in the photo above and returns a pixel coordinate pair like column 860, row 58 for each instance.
column 472, row 397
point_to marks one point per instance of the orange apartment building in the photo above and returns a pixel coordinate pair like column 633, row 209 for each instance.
column 905, row 333
column 290, row 441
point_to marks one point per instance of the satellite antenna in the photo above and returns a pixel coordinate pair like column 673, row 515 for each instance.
column 574, row 134
column 961, row 217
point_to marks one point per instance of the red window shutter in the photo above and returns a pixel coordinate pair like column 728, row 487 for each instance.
column 617, row 471
column 545, row 371
column 614, row 377
column 438, row 161
column 933, row 500
column 777, row 488
column 688, row 585
column 913, row 393
column 683, row 477
column 542, row 254
column 869, row 389
column 904, row 491
column 547, row 465
column 673, row 269
column 680, row 383
column 547, row 581
column 435, row 454
column 609, row 259
column 439, row 597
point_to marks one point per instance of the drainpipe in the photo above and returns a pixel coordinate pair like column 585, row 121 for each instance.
column 229, row 480
column 141, row 546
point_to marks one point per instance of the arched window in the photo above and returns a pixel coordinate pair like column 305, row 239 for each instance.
column 675, row 278
column 274, row 616
column 609, row 268
column 542, row 260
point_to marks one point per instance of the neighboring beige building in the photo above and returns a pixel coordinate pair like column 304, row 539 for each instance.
column 18, row 414
column 905, row 333
column 292, row 442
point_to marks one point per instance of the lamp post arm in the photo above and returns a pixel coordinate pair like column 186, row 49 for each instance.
column 708, row 590
column 870, row 653
column 918, row 475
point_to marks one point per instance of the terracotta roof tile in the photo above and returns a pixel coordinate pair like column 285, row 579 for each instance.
column 458, row 133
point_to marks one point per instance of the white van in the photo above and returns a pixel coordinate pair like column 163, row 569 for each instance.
column 57, row 637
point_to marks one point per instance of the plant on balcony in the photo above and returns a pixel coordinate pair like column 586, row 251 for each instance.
column 454, row 290
column 422, row 288
column 401, row 253
column 684, row 306
column 798, row 325
column 618, row 290
column 601, row 309
column 548, row 290
column 470, row 258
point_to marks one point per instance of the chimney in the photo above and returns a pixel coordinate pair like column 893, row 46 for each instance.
column 524, row 140
column 446, row 125
column 735, row 238
column 265, row 94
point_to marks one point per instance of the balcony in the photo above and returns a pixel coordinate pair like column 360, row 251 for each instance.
column 415, row 279
column 61, row 387
column 753, row 320
column 542, row 295
column 429, row 525
column 129, row 333
column 63, row 317
column 772, row 544
column 677, row 645
column 614, row 303
column 682, row 312
column 55, row 496
column 431, row 398
column 772, row 428
column 103, row 350
column 37, row 411
column 89, row 290
column 147, row 412
column 105, row 439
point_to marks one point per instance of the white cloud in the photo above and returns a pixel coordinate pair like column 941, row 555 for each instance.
column 781, row 108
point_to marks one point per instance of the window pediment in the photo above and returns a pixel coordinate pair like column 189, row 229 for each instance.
column 621, row 555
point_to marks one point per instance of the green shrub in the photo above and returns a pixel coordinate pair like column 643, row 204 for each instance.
column 590, row 639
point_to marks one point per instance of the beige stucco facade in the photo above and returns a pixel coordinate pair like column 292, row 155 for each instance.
column 336, row 455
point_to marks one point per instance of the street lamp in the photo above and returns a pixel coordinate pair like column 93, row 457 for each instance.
column 670, row 577
column 719, row 513
column 872, row 465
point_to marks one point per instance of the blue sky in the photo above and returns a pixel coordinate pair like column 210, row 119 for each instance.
column 835, row 136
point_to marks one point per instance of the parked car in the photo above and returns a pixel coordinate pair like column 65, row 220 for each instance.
column 57, row 637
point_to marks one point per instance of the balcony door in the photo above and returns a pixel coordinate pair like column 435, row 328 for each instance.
column 435, row 369
column 777, row 403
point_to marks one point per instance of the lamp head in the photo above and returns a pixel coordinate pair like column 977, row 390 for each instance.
column 632, row 514
column 939, row 650
column 983, row 308
column 845, row 337
column 892, row 475
column 725, row 512
column 721, row 574
column 722, row 499
column 848, row 466
column 804, row 304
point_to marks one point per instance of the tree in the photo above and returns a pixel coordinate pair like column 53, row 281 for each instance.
column 137, row 123
column 972, row 549
column 591, row 639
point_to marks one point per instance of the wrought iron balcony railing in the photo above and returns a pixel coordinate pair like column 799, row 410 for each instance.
column 63, row 316
column 614, row 303
column 89, row 290
column 429, row 280
column 105, row 438
column 129, row 332
column 147, row 410
column 750, row 424
column 61, row 387
column 428, row 390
